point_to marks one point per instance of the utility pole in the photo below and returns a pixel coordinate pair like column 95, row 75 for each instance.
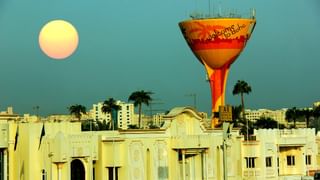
column 36, row 108
column 226, row 135
column 154, row 102
column 225, row 115
column 194, row 95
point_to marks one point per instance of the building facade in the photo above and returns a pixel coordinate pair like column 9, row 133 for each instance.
column 280, row 154
column 124, row 117
column 185, row 147
column 278, row 115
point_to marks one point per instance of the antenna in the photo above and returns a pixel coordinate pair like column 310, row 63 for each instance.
column 253, row 13
column 220, row 13
column 209, row 2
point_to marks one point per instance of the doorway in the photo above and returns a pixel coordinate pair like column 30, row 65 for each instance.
column 77, row 170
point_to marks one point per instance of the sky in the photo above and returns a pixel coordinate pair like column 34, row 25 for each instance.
column 126, row 45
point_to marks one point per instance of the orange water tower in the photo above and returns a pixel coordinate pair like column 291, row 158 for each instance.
column 217, row 42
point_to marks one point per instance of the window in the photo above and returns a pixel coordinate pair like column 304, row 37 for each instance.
column 308, row 159
column 44, row 174
column 250, row 162
column 290, row 161
column 163, row 172
column 268, row 161
column 110, row 172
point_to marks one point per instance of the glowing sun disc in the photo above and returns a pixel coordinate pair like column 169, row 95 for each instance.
column 58, row 39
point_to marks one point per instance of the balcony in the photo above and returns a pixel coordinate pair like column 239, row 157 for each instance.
column 250, row 140
column 292, row 141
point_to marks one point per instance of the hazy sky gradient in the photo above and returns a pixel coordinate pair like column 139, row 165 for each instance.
column 130, row 45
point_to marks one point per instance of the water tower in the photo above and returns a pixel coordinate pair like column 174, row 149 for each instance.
column 217, row 42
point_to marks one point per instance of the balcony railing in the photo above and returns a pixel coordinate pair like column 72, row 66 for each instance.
column 191, row 141
column 252, row 172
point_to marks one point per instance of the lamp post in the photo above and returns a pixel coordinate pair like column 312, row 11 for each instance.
column 226, row 135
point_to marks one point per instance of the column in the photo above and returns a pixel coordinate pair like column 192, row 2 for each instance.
column 206, row 163
column 89, row 164
column 183, row 164
column 5, row 164
column 59, row 167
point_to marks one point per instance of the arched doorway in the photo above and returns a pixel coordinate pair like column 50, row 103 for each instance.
column 77, row 170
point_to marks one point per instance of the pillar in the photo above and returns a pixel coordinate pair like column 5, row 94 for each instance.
column 183, row 164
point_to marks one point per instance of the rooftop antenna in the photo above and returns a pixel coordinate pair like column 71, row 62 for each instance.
column 209, row 2
column 220, row 13
column 154, row 102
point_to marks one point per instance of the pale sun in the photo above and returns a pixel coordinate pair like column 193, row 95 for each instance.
column 58, row 39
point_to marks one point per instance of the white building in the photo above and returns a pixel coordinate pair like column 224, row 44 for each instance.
column 125, row 116
column 8, row 114
column 280, row 154
column 278, row 115
column 184, row 148
column 316, row 104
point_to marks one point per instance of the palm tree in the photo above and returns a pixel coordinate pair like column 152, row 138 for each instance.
column 293, row 114
column 109, row 106
column 307, row 114
column 242, row 87
column 266, row 123
column 316, row 115
column 77, row 110
column 236, row 111
column 139, row 98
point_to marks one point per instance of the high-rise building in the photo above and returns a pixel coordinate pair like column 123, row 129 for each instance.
column 124, row 115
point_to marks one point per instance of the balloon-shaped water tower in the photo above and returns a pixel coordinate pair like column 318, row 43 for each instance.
column 217, row 42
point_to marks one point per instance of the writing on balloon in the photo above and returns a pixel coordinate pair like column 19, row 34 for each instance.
column 226, row 32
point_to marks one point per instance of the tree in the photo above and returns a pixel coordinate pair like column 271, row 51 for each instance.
column 133, row 126
column 316, row 115
column 89, row 125
column 267, row 123
column 293, row 114
column 109, row 106
column 77, row 110
column 316, row 112
column 242, row 87
column 307, row 114
column 236, row 119
column 139, row 98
